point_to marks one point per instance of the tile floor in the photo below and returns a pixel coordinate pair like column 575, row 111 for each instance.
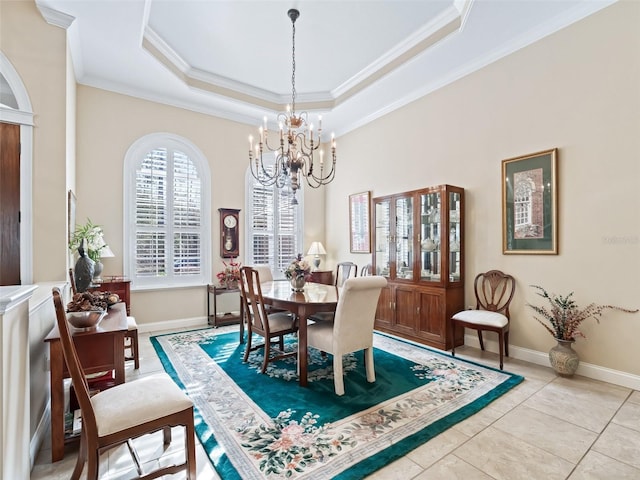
column 546, row 428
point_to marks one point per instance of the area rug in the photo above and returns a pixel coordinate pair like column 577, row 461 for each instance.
column 256, row 426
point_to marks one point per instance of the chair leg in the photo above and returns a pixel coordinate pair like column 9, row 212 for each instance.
column 452, row 326
column 248, row 349
column 166, row 436
column 134, row 349
column 281, row 343
column 506, row 343
column 338, row 380
column 480, row 338
column 501, row 347
column 82, row 458
column 190, row 443
column 267, row 352
column 368, row 362
column 93, row 459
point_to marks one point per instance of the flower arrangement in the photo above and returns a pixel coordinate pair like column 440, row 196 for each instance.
column 230, row 274
column 297, row 268
column 563, row 317
column 93, row 238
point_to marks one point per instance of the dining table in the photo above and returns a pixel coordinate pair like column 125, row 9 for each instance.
column 315, row 297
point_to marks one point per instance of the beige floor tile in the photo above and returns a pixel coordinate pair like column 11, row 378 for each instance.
column 628, row 416
column 401, row 468
column 595, row 466
column 585, row 404
column 635, row 397
column 620, row 443
column 452, row 468
column 478, row 422
column 436, row 448
column 505, row 457
column 549, row 433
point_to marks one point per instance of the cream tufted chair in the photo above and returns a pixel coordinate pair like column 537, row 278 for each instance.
column 494, row 291
column 129, row 410
column 352, row 328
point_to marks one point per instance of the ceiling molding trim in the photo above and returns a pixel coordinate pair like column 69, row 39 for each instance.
column 441, row 26
column 54, row 17
column 527, row 38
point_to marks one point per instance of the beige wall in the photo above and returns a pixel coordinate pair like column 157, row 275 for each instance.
column 577, row 90
column 38, row 53
column 107, row 125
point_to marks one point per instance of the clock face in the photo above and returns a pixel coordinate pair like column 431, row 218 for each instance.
column 230, row 221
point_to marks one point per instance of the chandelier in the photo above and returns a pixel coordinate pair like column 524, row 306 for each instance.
column 294, row 150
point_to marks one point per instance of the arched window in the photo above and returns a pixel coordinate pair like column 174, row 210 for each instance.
column 274, row 226
column 167, row 210
column 522, row 202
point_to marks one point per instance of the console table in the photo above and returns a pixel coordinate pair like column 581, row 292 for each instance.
column 99, row 349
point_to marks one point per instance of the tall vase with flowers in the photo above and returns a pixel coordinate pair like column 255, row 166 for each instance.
column 298, row 272
column 230, row 275
column 88, row 241
column 562, row 319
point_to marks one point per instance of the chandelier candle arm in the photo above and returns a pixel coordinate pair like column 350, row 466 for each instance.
column 294, row 157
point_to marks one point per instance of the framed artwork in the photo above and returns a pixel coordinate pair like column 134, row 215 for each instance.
column 360, row 222
column 71, row 214
column 530, row 204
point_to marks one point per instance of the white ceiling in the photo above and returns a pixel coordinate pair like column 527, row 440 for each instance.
column 355, row 59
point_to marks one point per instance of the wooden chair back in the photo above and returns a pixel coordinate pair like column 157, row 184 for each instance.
column 251, row 292
column 74, row 366
column 72, row 281
column 494, row 291
column 345, row 270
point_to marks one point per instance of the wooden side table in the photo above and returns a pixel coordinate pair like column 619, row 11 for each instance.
column 225, row 317
column 322, row 276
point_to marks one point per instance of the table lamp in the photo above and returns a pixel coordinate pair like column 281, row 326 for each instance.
column 316, row 250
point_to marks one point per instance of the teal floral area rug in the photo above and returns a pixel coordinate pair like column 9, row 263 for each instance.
column 256, row 426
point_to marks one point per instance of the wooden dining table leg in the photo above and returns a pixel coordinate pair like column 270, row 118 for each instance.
column 302, row 346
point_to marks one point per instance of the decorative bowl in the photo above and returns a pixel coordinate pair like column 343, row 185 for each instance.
column 86, row 319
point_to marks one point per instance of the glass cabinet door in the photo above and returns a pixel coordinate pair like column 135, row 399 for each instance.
column 404, row 238
column 383, row 238
column 430, row 231
column 455, row 234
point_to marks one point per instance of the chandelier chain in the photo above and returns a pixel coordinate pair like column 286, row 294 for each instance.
column 293, row 69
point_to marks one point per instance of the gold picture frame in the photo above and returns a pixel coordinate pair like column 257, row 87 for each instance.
column 360, row 222
column 530, row 204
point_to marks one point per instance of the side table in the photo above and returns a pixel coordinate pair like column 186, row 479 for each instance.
column 223, row 318
column 118, row 285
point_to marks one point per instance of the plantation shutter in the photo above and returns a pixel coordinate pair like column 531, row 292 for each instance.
column 168, row 209
column 274, row 226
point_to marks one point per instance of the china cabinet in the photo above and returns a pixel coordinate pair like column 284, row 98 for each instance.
column 419, row 247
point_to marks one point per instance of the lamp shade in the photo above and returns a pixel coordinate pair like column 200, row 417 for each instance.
column 316, row 249
column 106, row 252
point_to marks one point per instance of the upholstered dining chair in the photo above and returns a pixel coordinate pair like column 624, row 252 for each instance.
column 114, row 416
column 268, row 325
column 352, row 328
column 344, row 271
column 494, row 291
column 130, row 337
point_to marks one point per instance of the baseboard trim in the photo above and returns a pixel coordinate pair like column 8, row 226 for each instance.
column 194, row 322
column 588, row 370
column 39, row 435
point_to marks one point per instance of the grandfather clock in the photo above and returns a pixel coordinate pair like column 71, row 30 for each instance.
column 229, row 232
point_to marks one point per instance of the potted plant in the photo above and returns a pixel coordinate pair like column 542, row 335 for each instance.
column 562, row 319
column 93, row 238
column 298, row 272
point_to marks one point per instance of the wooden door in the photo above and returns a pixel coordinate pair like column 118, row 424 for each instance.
column 9, row 204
